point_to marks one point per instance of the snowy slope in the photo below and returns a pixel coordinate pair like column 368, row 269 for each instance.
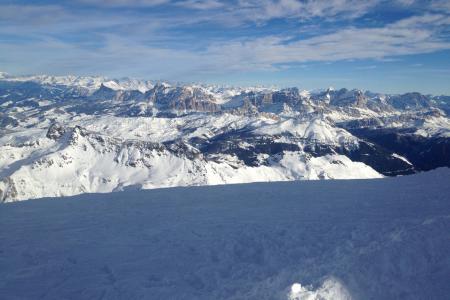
column 129, row 133
column 356, row 239
column 77, row 161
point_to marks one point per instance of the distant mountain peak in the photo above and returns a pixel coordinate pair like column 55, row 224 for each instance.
column 94, row 134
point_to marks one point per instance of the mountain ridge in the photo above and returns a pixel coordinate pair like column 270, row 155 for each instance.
column 178, row 134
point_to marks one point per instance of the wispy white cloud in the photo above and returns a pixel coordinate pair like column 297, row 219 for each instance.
column 409, row 36
column 201, row 4
column 124, row 3
column 30, row 14
column 371, row 67
column 262, row 11
column 53, row 37
column 436, row 6
column 406, row 2
column 441, row 5
column 257, row 9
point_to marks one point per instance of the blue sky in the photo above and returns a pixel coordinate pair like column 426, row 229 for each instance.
column 387, row 46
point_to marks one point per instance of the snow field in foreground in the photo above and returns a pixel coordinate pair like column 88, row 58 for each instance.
column 355, row 239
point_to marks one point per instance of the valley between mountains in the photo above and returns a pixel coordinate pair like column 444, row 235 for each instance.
column 68, row 135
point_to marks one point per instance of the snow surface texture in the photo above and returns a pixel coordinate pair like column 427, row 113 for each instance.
column 357, row 239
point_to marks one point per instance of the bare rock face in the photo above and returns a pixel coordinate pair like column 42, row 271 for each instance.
column 182, row 99
column 361, row 100
column 347, row 98
column 267, row 99
column 114, row 135
column 192, row 99
column 183, row 148
column 55, row 131
column 8, row 189
column 103, row 93
column 410, row 101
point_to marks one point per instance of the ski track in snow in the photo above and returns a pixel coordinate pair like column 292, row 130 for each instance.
column 356, row 239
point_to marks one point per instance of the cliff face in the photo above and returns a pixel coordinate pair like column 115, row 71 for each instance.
column 113, row 135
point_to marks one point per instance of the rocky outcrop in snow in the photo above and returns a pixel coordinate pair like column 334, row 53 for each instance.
column 93, row 134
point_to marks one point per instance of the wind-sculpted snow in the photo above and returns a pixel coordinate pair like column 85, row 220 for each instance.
column 355, row 239
column 95, row 134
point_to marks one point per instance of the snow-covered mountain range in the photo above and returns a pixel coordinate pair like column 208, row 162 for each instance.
column 68, row 135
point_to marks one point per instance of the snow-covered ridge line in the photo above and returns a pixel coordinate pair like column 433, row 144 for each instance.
column 140, row 135
column 126, row 83
column 76, row 160
column 89, row 82
column 143, row 85
column 214, row 97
